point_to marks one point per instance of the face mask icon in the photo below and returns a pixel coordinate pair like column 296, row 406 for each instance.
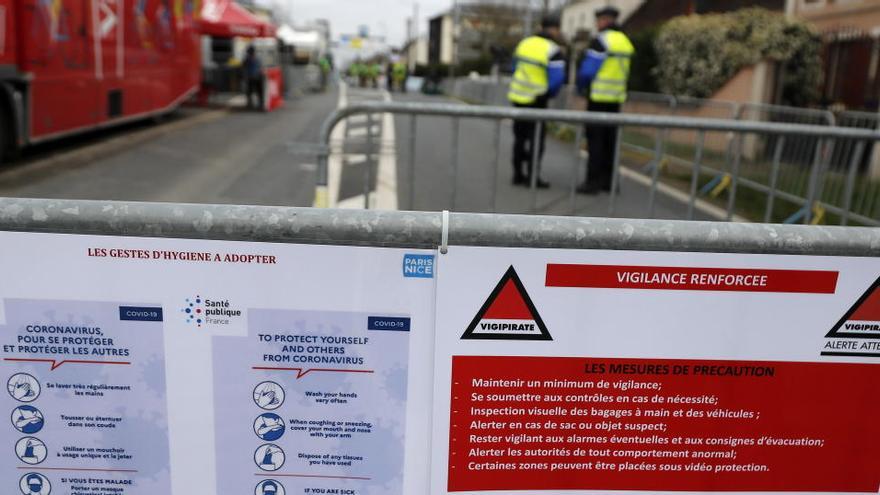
column 269, row 487
column 35, row 484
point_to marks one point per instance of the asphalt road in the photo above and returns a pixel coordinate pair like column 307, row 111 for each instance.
column 204, row 156
column 240, row 157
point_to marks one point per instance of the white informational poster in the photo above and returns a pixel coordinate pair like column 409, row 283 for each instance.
column 140, row 366
column 598, row 371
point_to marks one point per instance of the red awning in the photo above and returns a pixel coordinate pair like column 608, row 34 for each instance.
column 225, row 18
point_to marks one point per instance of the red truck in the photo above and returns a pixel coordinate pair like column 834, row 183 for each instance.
column 69, row 66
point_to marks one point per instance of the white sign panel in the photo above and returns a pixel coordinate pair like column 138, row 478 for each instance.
column 599, row 371
column 139, row 366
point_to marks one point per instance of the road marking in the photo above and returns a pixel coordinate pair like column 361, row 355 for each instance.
column 356, row 131
column 386, row 180
column 384, row 197
column 352, row 203
column 700, row 205
column 334, row 161
column 362, row 131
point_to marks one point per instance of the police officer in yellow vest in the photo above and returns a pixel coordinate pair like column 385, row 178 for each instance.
column 539, row 73
column 603, row 74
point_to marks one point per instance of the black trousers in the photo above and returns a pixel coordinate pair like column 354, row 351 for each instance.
column 523, row 144
column 602, row 144
column 254, row 86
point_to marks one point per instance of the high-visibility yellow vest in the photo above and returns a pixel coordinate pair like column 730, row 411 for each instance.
column 398, row 71
column 609, row 86
column 529, row 81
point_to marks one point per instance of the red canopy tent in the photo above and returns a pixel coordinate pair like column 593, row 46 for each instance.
column 226, row 19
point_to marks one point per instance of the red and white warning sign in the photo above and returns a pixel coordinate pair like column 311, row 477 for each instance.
column 508, row 314
column 863, row 318
column 665, row 372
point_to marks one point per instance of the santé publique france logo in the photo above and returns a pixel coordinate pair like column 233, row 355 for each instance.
column 193, row 310
column 508, row 314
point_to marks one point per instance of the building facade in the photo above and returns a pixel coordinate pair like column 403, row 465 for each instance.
column 850, row 31
column 578, row 17
column 485, row 31
column 440, row 39
column 415, row 53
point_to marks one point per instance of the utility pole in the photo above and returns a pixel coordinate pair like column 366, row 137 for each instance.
column 412, row 50
column 529, row 22
column 456, row 19
column 415, row 21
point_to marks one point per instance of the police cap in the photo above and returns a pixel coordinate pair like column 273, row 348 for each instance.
column 550, row 20
column 609, row 11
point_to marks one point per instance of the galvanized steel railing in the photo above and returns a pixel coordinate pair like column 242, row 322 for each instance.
column 406, row 229
column 740, row 132
column 849, row 191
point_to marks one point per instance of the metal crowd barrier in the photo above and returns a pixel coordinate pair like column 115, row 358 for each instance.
column 408, row 229
column 850, row 190
column 846, row 190
column 674, row 157
column 807, row 199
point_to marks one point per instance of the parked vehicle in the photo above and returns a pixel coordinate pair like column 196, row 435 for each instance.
column 69, row 66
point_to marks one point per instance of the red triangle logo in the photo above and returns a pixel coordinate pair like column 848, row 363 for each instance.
column 862, row 321
column 508, row 314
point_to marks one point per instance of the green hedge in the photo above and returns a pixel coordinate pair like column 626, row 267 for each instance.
column 698, row 54
column 644, row 61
